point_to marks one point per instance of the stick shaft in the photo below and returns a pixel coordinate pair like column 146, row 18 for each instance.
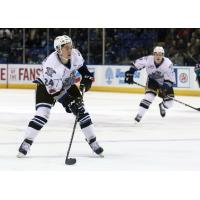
column 72, row 136
column 185, row 104
column 74, row 128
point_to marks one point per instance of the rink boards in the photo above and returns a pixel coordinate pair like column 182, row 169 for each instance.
column 109, row 78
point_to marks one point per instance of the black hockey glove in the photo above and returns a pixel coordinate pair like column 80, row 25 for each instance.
column 129, row 75
column 165, row 89
column 71, row 96
column 86, row 82
column 76, row 106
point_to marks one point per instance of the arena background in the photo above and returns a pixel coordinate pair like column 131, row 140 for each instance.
column 108, row 53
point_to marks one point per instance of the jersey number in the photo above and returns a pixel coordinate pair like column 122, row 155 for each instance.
column 50, row 82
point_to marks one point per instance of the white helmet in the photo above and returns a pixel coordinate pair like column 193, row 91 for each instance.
column 60, row 40
column 159, row 49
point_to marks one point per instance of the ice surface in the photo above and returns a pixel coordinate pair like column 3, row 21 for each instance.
column 170, row 143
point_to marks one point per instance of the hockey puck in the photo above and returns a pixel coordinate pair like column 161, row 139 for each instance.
column 70, row 161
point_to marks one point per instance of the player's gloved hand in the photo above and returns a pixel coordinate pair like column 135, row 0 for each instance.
column 167, row 84
column 86, row 82
column 76, row 106
column 164, row 90
column 129, row 75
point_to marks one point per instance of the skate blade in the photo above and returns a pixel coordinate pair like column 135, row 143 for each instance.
column 21, row 155
column 136, row 123
column 101, row 155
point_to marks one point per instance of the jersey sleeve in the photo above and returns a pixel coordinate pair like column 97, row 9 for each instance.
column 78, row 59
column 84, row 70
column 141, row 63
column 169, row 75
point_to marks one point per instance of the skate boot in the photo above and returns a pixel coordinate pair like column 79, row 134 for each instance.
column 95, row 146
column 138, row 118
column 162, row 110
column 24, row 148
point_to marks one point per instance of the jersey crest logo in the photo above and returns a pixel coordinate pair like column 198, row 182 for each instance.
column 50, row 71
column 156, row 75
column 151, row 67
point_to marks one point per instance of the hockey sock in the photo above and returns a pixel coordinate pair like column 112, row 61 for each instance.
column 88, row 132
column 85, row 120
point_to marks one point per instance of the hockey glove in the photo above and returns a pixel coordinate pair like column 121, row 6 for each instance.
column 86, row 82
column 167, row 84
column 165, row 88
column 129, row 75
column 76, row 106
column 71, row 95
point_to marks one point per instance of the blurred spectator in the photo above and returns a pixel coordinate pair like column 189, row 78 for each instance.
column 5, row 44
column 197, row 71
column 11, row 46
column 36, row 45
column 178, row 58
column 121, row 45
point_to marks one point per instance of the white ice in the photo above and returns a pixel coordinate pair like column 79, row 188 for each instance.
column 170, row 143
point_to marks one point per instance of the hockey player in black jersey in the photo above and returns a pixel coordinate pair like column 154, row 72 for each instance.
column 57, row 84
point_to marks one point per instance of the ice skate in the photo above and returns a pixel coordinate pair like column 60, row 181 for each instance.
column 24, row 148
column 162, row 110
column 137, row 118
column 95, row 147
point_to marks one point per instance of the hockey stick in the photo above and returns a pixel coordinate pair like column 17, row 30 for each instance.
column 72, row 161
column 185, row 104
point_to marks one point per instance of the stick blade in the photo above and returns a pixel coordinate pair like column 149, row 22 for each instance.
column 70, row 161
column 198, row 109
